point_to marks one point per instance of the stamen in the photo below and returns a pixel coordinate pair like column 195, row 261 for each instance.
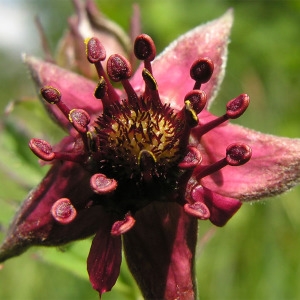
column 53, row 96
column 190, row 114
column 234, row 109
column 100, row 184
column 95, row 54
column 101, row 89
column 194, row 102
column 149, row 80
column 77, row 117
column 63, row 211
column 237, row 106
column 197, row 99
column 119, row 69
column 121, row 227
column 151, row 91
column 144, row 49
column 80, row 120
column 41, row 149
column 95, row 51
column 197, row 209
column 191, row 159
column 236, row 154
column 201, row 71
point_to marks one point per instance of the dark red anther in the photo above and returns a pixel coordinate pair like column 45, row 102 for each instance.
column 80, row 119
column 118, row 68
column 151, row 91
column 197, row 99
column 100, row 184
column 95, row 51
column 198, row 210
column 201, row 71
column 121, row 227
column 150, row 81
column 238, row 154
column 190, row 115
column 101, row 89
column 144, row 47
column 41, row 149
column 51, row 94
column 192, row 159
column 95, row 54
column 237, row 106
column 63, row 211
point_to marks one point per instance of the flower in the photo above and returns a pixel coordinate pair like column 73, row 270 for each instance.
column 146, row 161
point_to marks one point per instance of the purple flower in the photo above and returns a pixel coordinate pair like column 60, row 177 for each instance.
column 145, row 161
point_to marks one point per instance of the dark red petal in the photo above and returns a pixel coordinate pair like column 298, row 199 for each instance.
column 34, row 224
column 104, row 259
column 160, row 251
column 221, row 208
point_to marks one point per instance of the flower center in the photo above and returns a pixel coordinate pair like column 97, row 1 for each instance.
column 138, row 137
column 138, row 150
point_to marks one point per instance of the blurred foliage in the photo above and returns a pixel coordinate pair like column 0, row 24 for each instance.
column 255, row 256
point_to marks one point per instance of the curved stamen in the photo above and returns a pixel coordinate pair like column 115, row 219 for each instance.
column 77, row 117
column 53, row 96
column 95, row 54
column 121, row 227
column 237, row 106
column 201, row 71
column 100, row 184
column 119, row 69
column 144, row 49
column 236, row 154
column 101, row 89
column 190, row 114
column 95, row 51
column 80, row 120
column 41, row 149
column 63, row 211
column 234, row 109
column 198, row 100
column 151, row 91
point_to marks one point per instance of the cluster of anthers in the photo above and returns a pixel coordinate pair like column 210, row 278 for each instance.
column 138, row 150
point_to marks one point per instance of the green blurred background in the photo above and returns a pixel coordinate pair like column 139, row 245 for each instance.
column 256, row 255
